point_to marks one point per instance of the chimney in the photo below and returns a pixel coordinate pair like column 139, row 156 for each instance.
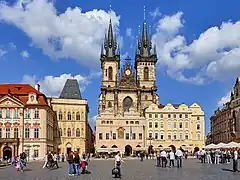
column 37, row 87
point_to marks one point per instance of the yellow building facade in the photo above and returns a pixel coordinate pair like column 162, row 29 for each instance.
column 175, row 126
column 72, row 115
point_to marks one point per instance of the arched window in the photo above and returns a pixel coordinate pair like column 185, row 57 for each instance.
column 110, row 73
column 69, row 117
column 127, row 104
column 69, row 134
column 146, row 73
column 77, row 132
column 109, row 104
column 78, row 116
column 60, row 115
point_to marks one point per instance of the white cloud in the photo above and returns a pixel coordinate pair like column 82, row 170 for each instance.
column 12, row 46
column 214, row 55
column 224, row 99
column 2, row 52
column 52, row 86
column 155, row 13
column 24, row 54
column 72, row 34
column 129, row 32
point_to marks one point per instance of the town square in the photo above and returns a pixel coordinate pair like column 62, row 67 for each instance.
column 128, row 90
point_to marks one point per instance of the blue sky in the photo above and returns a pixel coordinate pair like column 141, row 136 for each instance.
column 197, row 41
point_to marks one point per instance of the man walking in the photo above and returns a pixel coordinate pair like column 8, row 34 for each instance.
column 235, row 160
column 171, row 157
column 179, row 155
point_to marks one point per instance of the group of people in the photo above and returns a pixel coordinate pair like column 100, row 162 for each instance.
column 219, row 156
column 51, row 160
column 75, row 163
column 20, row 161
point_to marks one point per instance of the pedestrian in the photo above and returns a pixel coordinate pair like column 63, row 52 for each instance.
column 118, row 161
column 70, row 164
column 76, row 160
column 235, row 160
column 63, row 157
column 179, row 156
column 158, row 159
column 171, row 157
column 55, row 159
column 209, row 160
column 46, row 161
column 163, row 155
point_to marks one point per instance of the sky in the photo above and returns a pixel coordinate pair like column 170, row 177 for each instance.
column 47, row 42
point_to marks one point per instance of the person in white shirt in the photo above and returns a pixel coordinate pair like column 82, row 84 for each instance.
column 171, row 157
column 163, row 155
column 179, row 155
column 235, row 160
column 46, row 161
column 118, row 161
column 209, row 160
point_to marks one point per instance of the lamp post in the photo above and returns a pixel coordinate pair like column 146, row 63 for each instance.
column 150, row 147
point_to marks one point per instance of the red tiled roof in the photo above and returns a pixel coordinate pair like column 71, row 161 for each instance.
column 17, row 89
column 21, row 91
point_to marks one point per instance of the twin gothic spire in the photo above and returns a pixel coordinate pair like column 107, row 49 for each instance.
column 110, row 48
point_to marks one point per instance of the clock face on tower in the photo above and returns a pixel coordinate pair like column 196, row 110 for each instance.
column 127, row 72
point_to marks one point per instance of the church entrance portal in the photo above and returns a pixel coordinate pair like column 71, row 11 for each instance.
column 7, row 152
column 128, row 150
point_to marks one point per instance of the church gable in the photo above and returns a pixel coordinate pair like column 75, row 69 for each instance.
column 128, row 79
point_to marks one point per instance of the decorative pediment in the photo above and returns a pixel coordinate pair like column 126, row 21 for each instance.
column 27, row 125
column 7, row 124
column 36, row 125
column 128, row 79
column 10, row 101
column 16, row 124
column 32, row 98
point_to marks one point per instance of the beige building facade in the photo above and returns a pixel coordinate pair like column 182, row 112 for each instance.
column 72, row 115
column 27, row 122
column 175, row 126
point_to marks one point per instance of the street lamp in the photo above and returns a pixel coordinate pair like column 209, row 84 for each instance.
column 150, row 147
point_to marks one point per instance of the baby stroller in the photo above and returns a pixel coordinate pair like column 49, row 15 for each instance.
column 115, row 172
column 84, row 168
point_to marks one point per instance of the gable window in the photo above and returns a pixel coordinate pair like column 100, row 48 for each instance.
column 69, row 117
column 110, row 73
column 36, row 133
column 60, row 115
column 8, row 113
column 15, row 132
column 77, row 132
column 27, row 114
column 78, row 116
column 36, row 114
column 27, row 132
column 7, row 132
column 146, row 73
column 15, row 113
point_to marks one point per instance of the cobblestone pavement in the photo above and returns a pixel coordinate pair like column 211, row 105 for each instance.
column 132, row 170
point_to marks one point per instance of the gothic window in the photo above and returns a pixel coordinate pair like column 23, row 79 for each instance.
column 77, row 132
column 109, row 104
column 127, row 103
column 78, row 116
column 69, row 132
column 60, row 115
column 146, row 73
column 110, row 71
column 69, row 117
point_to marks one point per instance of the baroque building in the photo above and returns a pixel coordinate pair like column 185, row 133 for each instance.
column 72, row 116
column 175, row 126
column 125, row 94
column 27, row 122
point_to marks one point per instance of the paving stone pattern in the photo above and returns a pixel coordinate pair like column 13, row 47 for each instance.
column 131, row 170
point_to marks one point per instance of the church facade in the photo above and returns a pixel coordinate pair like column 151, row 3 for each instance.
column 125, row 94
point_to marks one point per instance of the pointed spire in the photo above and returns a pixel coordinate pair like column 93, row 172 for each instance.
column 155, row 49
column 110, row 33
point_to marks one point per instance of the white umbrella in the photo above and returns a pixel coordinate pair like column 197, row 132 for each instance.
column 211, row 146
column 220, row 145
column 232, row 145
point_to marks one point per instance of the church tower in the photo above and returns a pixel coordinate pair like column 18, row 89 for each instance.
column 110, row 59
column 145, row 60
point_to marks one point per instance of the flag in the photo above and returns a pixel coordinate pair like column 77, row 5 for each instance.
column 131, row 132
